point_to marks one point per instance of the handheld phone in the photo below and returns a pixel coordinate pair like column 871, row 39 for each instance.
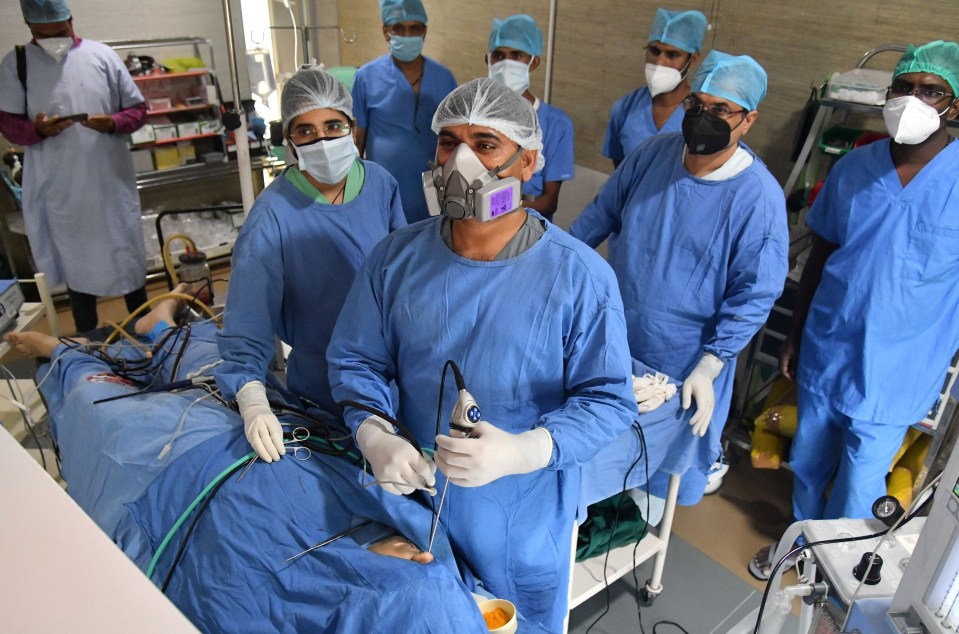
column 76, row 118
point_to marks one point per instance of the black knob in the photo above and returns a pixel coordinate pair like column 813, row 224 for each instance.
column 860, row 569
column 887, row 509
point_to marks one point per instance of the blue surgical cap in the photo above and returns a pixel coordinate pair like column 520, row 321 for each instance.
column 939, row 58
column 682, row 29
column 394, row 11
column 519, row 32
column 44, row 11
column 739, row 79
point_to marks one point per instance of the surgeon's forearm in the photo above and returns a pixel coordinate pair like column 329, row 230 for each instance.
column 130, row 119
column 811, row 276
column 18, row 129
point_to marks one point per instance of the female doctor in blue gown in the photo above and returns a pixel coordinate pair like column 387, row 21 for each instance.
column 296, row 256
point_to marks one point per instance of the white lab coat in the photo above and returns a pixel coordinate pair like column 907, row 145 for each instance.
column 80, row 202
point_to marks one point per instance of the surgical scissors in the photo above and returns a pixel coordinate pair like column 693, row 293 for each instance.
column 301, row 453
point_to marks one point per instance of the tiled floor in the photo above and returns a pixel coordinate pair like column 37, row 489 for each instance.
column 706, row 586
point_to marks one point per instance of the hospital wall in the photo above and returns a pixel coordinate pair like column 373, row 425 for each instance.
column 598, row 52
column 143, row 19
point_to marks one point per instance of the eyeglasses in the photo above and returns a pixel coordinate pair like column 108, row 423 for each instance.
column 304, row 135
column 929, row 96
column 695, row 106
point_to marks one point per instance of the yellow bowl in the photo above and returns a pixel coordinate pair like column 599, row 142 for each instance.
column 506, row 606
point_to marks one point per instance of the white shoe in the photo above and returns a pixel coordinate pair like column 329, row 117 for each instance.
column 714, row 477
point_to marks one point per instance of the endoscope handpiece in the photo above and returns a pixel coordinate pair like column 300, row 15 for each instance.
column 463, row 419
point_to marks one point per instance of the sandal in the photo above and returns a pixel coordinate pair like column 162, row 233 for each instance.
column 761, row 565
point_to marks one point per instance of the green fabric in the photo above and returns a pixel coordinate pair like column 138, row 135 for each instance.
column 596, row 533
column 354, row 183
column 939, row 58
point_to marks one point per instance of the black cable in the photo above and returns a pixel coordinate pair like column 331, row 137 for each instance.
column 196, row 518
column 676, row 625
column 825, row 542
column 619, row 506
column 179, row 354
column 639, row 612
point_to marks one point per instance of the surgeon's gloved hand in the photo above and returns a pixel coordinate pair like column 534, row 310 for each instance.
column 699, row 387
column 651, row 391
column 398, row 467
column 260, row 424
column 491, row 453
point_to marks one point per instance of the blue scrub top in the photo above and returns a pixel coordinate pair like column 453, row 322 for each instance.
column 699, row 265
column 293, row 263
column 540, row 339
column 398, row 123
column 883, row 327
column 631, row 123
column 557, row 149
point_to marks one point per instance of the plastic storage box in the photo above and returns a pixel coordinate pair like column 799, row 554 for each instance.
column 860, row 85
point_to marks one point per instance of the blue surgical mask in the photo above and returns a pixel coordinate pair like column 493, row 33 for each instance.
column 406, row 49
column 328, row 161
column 515, row 75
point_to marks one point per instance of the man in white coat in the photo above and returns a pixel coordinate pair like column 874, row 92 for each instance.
column 69, row 102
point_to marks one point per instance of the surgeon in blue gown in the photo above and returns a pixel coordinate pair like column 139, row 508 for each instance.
column 296, row 255
column 876, row 325
column 515, row 47
column 671, row 54
column 533, row 319
column 701, row 251
column 394, row 98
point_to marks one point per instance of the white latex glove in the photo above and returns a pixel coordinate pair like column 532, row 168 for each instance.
column 260, row 424
column 394, row 460
column 491, row 453
column 651, row 391
column 699, row 386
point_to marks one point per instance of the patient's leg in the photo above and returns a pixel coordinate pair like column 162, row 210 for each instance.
column 401, row 548
column 36, row 344
column 162, row 313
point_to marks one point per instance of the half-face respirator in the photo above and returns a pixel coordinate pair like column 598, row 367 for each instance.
column 464, row 188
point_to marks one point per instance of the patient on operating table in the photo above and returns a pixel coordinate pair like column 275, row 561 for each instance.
column 136, row 464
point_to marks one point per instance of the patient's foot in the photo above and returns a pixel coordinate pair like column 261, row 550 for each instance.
column 36, row 344
column 163, row 312
column 401, row 548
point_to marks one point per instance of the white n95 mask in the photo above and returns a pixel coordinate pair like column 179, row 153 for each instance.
column 56, row 47
column 909, row 120
column 661, row 79
column 464, row 188
column 515, row 75
column 328, row 161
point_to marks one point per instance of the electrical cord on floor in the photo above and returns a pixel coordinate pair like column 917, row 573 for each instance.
column 676, row 625
column 636, row 427
column 841, row 540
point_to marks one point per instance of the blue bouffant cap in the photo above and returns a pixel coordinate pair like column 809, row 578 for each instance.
column 739, row 79
column 394, row 11
column 682, row 29
column 519, row 32
column 44, row 11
